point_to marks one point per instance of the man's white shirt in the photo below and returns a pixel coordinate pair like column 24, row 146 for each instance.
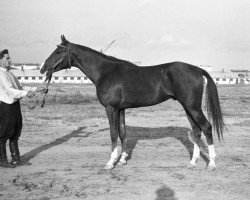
column 10, row 88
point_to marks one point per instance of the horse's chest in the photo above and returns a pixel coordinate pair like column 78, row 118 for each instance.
column 109, row 95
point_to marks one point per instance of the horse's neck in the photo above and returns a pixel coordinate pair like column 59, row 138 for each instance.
column 90, row 64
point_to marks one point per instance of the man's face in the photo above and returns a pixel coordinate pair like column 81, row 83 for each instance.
column 5, row 62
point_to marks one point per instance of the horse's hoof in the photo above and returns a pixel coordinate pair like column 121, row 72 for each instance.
column 211, row 167
column 122, row 162
column 191, row 165
column 107, row 167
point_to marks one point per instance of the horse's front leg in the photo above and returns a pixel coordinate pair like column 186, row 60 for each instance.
column 123, row 138
column 113, row 117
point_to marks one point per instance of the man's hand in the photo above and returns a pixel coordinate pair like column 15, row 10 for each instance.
column 30, row 94
column 42, row 89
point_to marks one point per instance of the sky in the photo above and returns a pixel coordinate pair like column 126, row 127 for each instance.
column 200, row 32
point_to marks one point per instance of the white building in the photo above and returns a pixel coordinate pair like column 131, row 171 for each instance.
column 25, row 66
column 228, row 77
column 76, row 76
column 63, row 76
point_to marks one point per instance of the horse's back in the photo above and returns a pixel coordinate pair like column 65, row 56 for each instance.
column 185, row 74
column 134, row 86
column 181, row 81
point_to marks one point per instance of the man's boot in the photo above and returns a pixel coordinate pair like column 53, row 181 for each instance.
column 14, row 150
column 3, row 156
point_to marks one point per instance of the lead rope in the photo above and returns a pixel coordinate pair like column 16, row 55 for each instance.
column 50, row 76
column 47, row 86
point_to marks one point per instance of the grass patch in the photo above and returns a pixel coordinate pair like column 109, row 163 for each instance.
column 64, row 98
column 75, row 98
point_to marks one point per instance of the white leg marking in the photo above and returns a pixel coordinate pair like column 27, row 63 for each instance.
column 122, row 160
column 196, row 154
column 113, row 157
column 212, row 156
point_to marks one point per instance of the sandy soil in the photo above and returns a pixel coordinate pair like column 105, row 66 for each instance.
column 66, row 147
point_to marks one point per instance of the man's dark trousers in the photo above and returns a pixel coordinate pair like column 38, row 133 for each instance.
column 10, row 129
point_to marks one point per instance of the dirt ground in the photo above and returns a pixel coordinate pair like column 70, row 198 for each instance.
column 66, row 146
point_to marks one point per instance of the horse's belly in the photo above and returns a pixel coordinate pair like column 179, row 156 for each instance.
column 143, row 100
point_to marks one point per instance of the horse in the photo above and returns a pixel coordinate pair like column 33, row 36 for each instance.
column 121, row 84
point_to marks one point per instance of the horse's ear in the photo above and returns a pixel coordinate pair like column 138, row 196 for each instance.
column 64, row 41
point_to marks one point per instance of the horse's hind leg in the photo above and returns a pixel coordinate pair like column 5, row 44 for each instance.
column 113, row 117
column 201, row 121
column 123, row 138
column 197, row 137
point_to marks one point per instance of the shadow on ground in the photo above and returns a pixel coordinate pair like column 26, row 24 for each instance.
column 165, row 193
column 134, row 134
column 34, row 152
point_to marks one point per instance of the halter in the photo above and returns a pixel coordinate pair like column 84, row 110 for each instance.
column 67, row 50
column 48, row 78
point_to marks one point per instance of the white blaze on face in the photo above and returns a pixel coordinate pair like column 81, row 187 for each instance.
column 42, row 65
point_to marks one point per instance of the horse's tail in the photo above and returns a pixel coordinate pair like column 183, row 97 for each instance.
column 213, row 105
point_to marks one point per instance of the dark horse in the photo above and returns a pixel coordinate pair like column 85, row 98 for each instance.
column 121, row 85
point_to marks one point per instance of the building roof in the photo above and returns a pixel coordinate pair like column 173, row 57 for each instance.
column 240, row 71
column 26, row 72
column 79, row 73
column 26, row 64
column 225, row 74
column 29, row 72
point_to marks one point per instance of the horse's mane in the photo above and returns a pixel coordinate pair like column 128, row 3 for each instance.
column 111, row 58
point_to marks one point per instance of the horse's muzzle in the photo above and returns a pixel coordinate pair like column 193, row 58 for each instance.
column 42, row 68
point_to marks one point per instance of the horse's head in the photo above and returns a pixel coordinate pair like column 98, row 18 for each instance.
column 58, row 60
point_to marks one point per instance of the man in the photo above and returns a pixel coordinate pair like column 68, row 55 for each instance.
column 10, row 112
